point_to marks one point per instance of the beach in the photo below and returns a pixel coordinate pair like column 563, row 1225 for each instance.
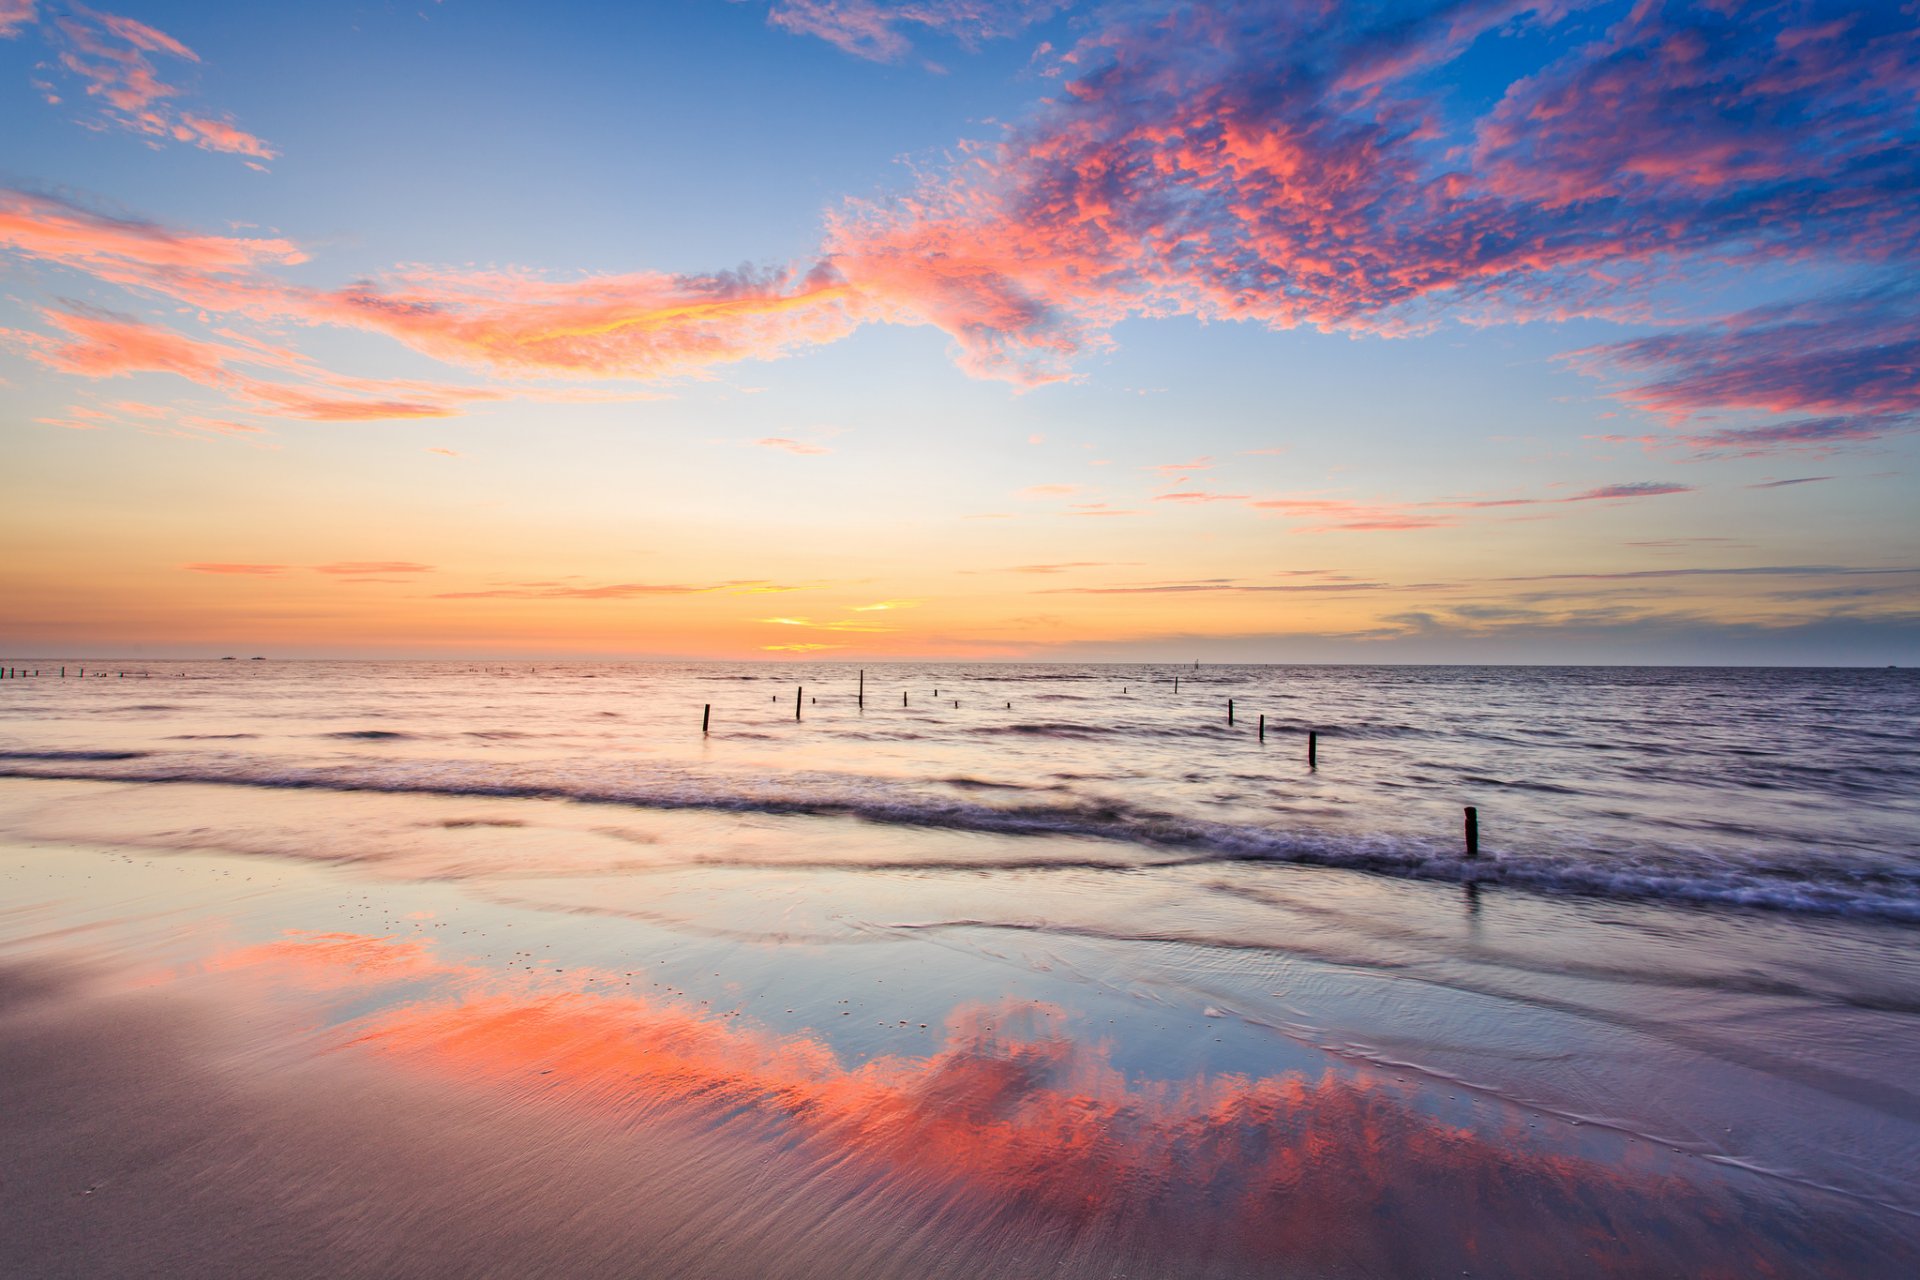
column 436, row 969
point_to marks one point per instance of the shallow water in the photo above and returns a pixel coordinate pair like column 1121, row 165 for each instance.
column 1044, row 996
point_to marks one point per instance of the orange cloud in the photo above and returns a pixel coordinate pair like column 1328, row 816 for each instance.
column 361, row 567
column 245, row 570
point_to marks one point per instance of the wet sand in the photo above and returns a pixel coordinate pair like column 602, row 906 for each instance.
column 443, row 1056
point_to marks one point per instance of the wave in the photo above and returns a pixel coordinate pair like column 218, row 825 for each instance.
column 1810, row 883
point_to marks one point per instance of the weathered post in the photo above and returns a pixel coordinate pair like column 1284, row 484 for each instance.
column 1263, row 728
column 903, row 697
column 1313, row 750
column 1473, row 832
column 797, row 690
column 706, row 717
column 1229, row 711
column 863, row 687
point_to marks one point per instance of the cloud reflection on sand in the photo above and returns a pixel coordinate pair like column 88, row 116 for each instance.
column 1011, row 1116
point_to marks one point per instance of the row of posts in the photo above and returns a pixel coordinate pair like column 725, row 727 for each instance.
column 706, row 725
column 1313, row 742
column 19, row 673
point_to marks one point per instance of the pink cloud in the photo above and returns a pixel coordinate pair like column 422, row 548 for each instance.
column 1196, row 496
column 791, row 446
column 108, row 54
column 220, row 135
column 140, row 254
column 101, row 345
column 1339, row 514
column 1280, row 164
column 871, row 28
column 240, row 570
column 1048, row 491
column 14, row 15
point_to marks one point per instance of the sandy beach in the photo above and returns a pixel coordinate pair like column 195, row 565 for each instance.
column 312, row 1034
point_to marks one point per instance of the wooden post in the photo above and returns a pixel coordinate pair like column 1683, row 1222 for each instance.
column 1473, row 832
column 706, row 717
column 1263, row 728
column 1313, row 750
column 797, row 690
column 903, row 697
column 863, row 687
column 1176, row 685
column 1229, row 711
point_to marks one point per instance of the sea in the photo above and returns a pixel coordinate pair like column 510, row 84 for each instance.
column 1777, row 789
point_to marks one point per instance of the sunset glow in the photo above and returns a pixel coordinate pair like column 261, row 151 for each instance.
column 1484, row 331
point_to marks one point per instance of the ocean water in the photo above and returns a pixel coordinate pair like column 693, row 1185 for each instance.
column 1051, row 972
column 1780, row 789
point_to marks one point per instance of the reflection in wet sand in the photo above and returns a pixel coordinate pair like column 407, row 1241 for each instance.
column 1015, row 1119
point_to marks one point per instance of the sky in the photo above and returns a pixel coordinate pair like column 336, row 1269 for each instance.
column 1485, row 331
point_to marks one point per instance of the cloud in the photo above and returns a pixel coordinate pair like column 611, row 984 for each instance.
column 107, row 54
column 1048, row 491
column 1765, row 570
column 831, row 625
column 1218, row 586
column 1348, row 515
column 1195, row 495
column 1840, row 369
column 1782, row 484
column 1060, row 567
column 606, row 591
column 648, row 326
column 1330, row 514
column 14, row 14
column 791, row 446
column 242, row 570
column 366, row 567
column 220, row 135
column 1637, row 489
column 1181, row 468
column 136, row 253
column 883, row 606
column 1280, row 164
column 1289, row 165
column 871, row 29
column 97, row 344
column 445, row 453
column 613, row 590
